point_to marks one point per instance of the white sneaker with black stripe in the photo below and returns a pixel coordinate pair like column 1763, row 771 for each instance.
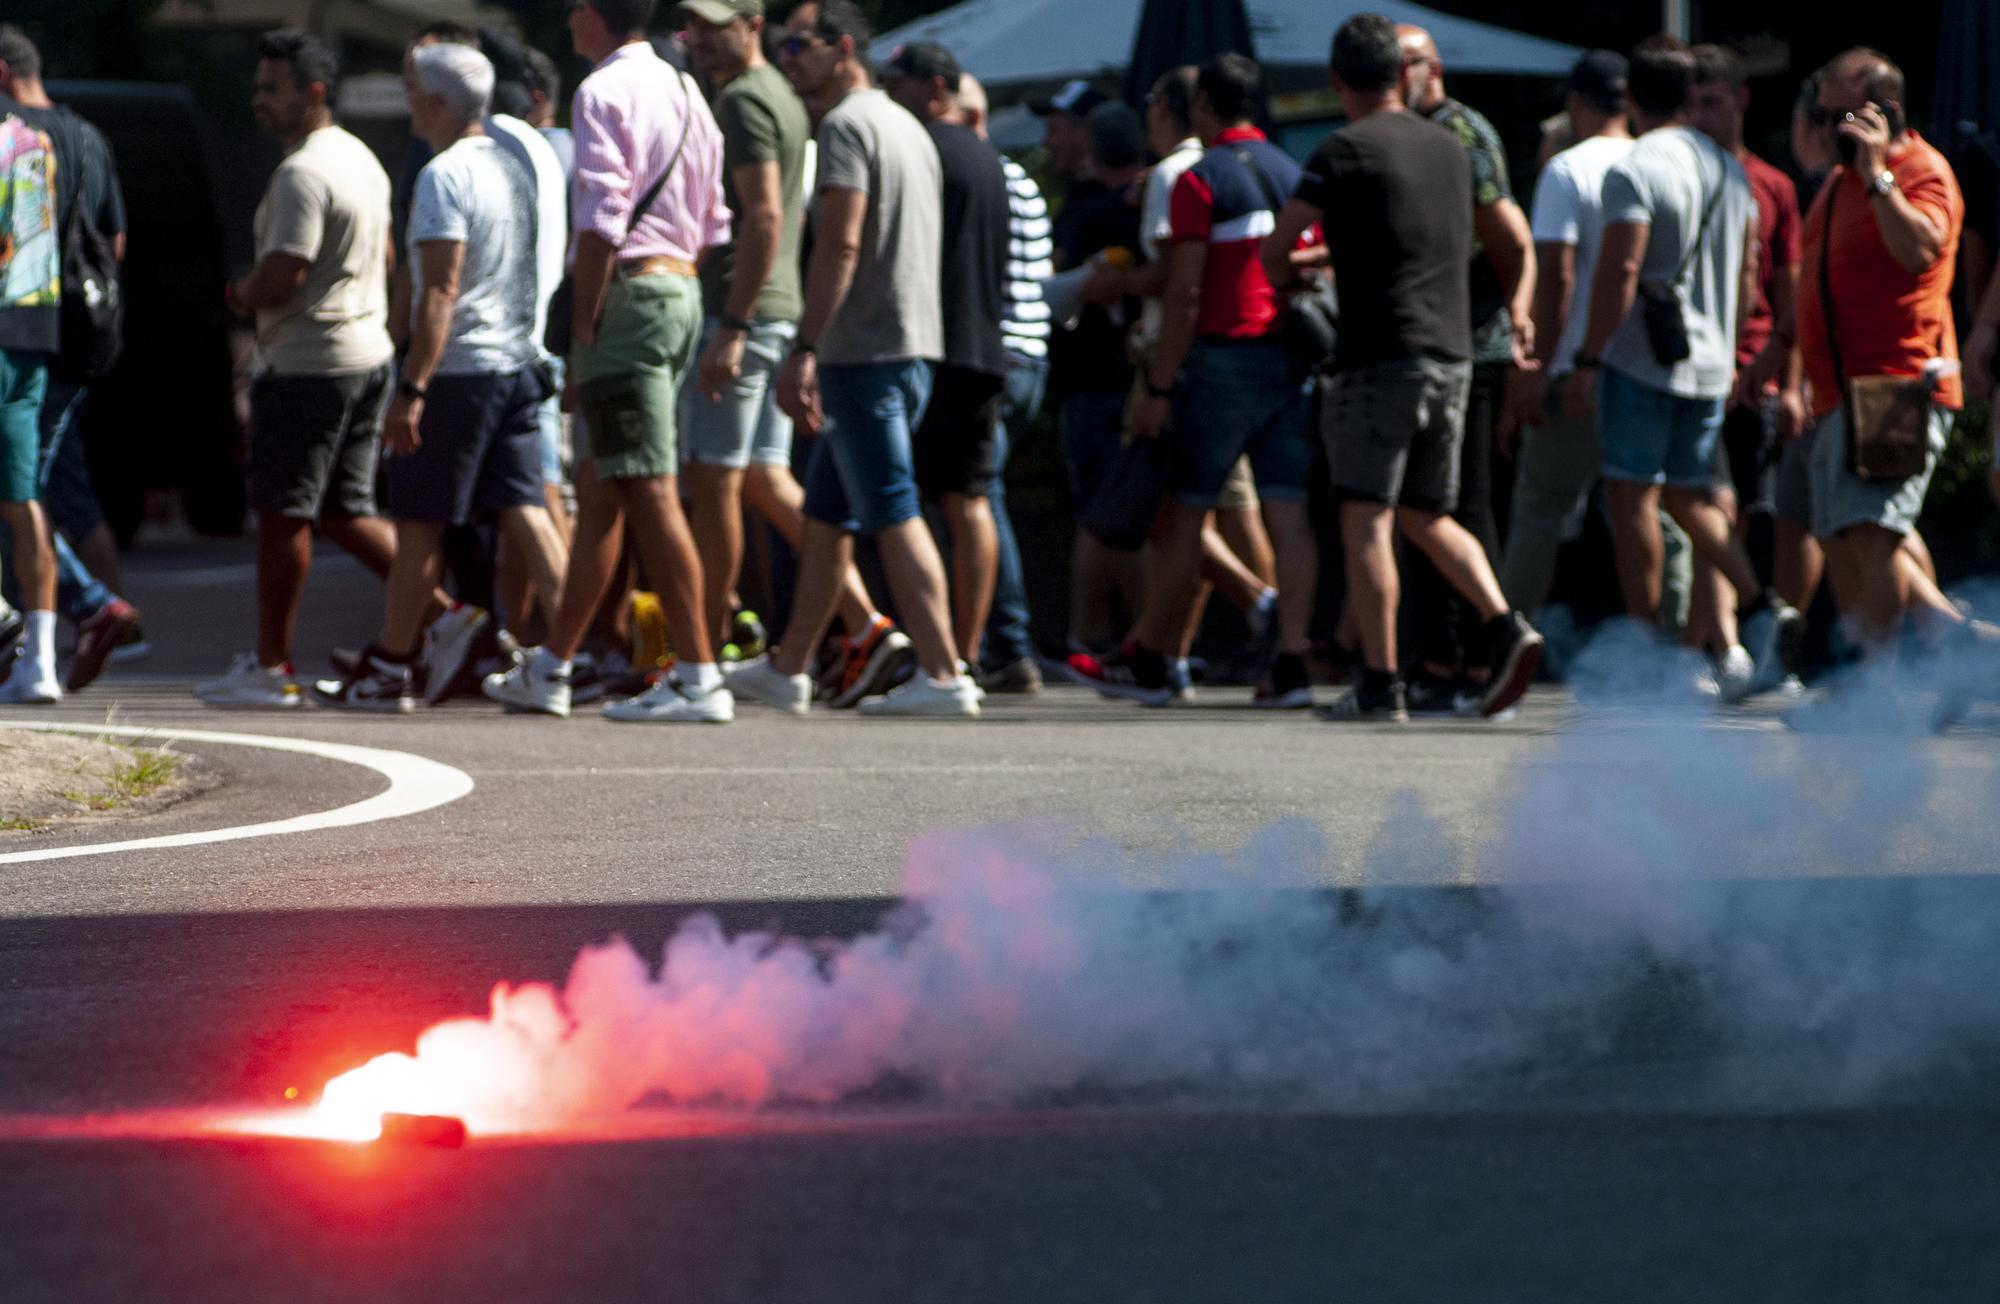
column 536, row 683
column 672, row 702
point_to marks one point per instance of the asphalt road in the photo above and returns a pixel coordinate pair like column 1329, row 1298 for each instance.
column 218, row 975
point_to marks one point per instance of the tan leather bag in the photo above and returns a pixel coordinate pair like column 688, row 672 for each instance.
column 1888, row 417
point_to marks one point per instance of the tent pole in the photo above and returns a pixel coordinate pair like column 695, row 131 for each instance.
column 1674, row 18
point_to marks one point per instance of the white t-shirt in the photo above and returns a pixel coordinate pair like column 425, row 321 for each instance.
column 533, row 150
column 1155, row 222
column 1667, row 182
column 474, row 194
column 1569, row 210
column 328, row 204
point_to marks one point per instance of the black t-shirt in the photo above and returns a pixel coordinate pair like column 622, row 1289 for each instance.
column 974, row 263
column 86, row 172
column 1396, row 196
column 1091, row 355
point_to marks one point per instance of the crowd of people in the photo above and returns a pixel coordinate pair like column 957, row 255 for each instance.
column 542, row 386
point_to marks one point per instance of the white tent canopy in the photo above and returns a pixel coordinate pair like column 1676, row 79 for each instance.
column 1009, row 42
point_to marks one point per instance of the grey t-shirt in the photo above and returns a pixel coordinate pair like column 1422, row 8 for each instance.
column 328, row 205
column 762, row 121
column 1665, row 182
column 475, row 195
column 891, row 314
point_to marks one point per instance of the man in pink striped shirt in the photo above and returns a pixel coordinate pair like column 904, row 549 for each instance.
column 636, row 324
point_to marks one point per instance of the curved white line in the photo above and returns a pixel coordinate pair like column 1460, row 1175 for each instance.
column 416, row 784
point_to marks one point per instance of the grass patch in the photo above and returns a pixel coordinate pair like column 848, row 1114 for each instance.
column 146, row 774
column 20, row 824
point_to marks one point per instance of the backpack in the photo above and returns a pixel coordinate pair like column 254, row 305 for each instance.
column 93, row 299
column 30, row 254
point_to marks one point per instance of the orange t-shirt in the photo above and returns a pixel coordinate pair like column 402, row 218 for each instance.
column 1889, row 321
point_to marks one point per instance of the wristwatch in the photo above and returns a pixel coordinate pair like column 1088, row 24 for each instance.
column 410, row 389
column 1882, row 183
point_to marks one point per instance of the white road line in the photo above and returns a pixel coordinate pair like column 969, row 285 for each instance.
column 416, row 784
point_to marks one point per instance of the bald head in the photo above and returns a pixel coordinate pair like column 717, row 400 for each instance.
column 972, row 104
column 1423, row 71
column 1868, row 74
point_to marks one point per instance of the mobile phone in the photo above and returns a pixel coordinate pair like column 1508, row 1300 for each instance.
column 1891, row 112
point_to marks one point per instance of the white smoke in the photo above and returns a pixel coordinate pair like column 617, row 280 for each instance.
column 1676, row 912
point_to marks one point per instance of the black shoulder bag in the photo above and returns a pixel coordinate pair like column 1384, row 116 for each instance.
column 1888, row 417
column 92, row 310
column 558, row 335
column 1660, row 305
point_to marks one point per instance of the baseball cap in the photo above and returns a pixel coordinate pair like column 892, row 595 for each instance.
column 924, row 60
column 1599, row 76
column 720, row 12
column 1077, row 97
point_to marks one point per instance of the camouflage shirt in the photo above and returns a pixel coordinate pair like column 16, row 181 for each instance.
column 1492, row 332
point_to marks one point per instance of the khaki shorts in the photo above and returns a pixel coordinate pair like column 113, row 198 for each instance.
column 628, row 379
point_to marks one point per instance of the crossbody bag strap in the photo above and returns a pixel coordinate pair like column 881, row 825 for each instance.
column 653, row 191
column 1826, row 286
column 1693, row 251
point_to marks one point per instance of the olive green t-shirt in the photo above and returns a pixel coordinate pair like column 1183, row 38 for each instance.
column 762, row 121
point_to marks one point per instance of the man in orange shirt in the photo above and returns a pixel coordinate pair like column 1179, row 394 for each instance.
column 1877, row 263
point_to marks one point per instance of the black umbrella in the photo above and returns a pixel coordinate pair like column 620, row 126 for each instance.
column 1174, row 32
column 1968, row 91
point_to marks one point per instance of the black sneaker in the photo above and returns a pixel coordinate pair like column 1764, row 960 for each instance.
column 1357, row 705
column 1130, row 676
column 12, row 625
column 1429, row 694
column 1516, row 651
column 378, row 684
column 1287, row 686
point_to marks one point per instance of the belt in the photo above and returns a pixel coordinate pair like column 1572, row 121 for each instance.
column 660, row 265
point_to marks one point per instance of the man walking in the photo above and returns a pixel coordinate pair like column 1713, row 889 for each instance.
column 1681, row 231
column 957, row 443
column 648, row 200
column 738, row 444
column 1450, row 667
column 319, row 294
column 463, row 432
column 860, row 370
column 1559, row 455
column 1394, row 196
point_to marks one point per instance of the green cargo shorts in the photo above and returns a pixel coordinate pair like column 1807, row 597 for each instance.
column 628, row 380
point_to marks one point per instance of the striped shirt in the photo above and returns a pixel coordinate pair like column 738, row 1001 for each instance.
column 1024, row 320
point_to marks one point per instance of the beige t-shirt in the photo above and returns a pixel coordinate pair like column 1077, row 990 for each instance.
column 328, row 203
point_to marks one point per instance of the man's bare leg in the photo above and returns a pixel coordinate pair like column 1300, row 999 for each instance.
column 594, row 556
column 916, row 581
column 776, row 495
column 826, row 553
column 284, row 556
column 1374, row 587
column 1458, row 556
column 1242, row 528
column 413, row 576
column 1297, row 553
column 975, row 567
column 673, row 565
column 1637, row 546
column 715, row 515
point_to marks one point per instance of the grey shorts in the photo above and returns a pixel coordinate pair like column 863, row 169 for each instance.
column 1791, row 495
column 744, row 426
column 1841, row 499
column 1393, row 430
column 313, row 443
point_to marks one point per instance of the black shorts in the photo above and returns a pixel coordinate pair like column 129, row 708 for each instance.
column 956, row 449
column 1746, row 458
column 312, row 443
column 479, row 449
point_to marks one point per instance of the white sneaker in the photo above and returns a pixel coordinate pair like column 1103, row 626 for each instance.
column 526, row 687
column 1735, row 674
column 28, row 685
column 965, row 672
column 249, row 682
column 760, row 681
column 672, row 702
column 447, row 643
column 921, row 696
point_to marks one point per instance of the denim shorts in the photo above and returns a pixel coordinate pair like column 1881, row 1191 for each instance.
column 744, row 426
column 1238, row 397
column 1394, row 432
column 549, row 427
column 861, row 476
column 478, row 449
column 1653, row 437
column 1841, row 498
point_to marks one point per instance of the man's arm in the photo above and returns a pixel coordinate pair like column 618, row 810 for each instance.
column 1510, row 251
column 1555, row 290
column 271, row 284
column 1747, row 280
column 590, row 277
column 1295, row 219
column 440, row 262
column 1613, row 286
column 836, row 253
column 1180, row 304
column 759, row 189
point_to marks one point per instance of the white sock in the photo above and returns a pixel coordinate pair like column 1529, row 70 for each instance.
column 40, row 643
column 856, row 640
column 1180, row 664
column 546, row 663
column 1267, row 599
column 700, row 676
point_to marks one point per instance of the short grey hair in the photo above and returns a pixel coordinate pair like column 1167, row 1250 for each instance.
column 459, row 75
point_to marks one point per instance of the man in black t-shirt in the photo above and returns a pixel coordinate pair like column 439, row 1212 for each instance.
column 1392, row 193
column 956, row 447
